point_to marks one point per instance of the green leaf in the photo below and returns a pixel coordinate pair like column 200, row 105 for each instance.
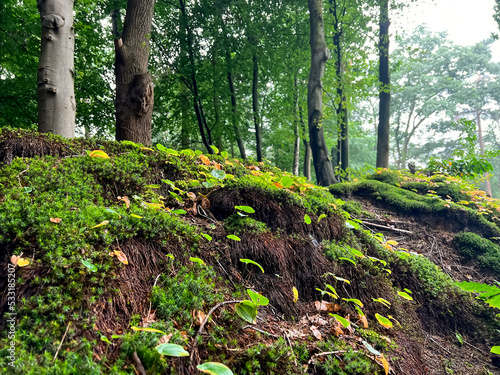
column 307, row 219
column 233, row 237
column 342, row 321
column 109, row 210
column 171, row 152
column 286, row 181
column 342, row 279
column 356, row 252
column 160, row 147
column 249, row 261
column 247, row 310
column 207, row 236
column 349, row 260
column 179, row 212
column 224, row 154
column 197, row 260
column 27, row 189
column 214, row 368
column 383, row 321
column 371, row 349
column 382, row 301
column 147, row 330
column 247, row 209
column 153, row 186
column 105, row 339
column 208, row 184
column 459, row 338
column 188, row 152
column 321, row 217
column 172, row 350
column 89, row 265
column 257, row 298
column 354, row 300
column 215, row 149
column 495, row 350
column 218, row 174
column 405, row 295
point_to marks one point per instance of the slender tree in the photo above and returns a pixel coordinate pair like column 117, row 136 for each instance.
column 385, row 94
column 56, row 92
column 134, row 85
column 319, row 56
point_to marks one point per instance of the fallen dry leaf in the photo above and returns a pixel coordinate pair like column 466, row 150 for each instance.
column 205, row 160
column 14, row 259
column 316, row 332
column 126, row 200
column 55, row 219
column 191, row 195
column 363, row 320
column 164, row 339
column 327, row 306
column 200, row 317
column 121, row 256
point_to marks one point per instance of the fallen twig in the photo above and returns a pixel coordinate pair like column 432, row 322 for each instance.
column 259, row 330
column 368, row 224
column 138, row 364
column 60, row 344
column 325, row 353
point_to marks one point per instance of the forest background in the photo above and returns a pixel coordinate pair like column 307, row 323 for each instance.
column 234, row 75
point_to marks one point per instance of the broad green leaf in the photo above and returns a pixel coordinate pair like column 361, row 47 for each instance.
column 105, row 339
column 170, row 256
column 99, row 154
column 179, row 212
column 147, row 330
column 257, row 298
column 215, row 149
column 354, row 300
column 459, row 338
column 383, row 321
column 247, row 310
column 207, row 236
column 214, row 368
column 342, row 320
column 356, row 252
column 307, row 219
column 286, row 181
column 495, row 350
column 349, row 260
column 249, row 261
column 89, row 265
column 197, row 260
column 218, row 174
column 321, row 217
column 113, row 212
column 247, row 209
column 208, row 184
column 188, row 152
column 360, row 312
column 224, row 154
column 171, row 152
column 101, row 224
column 235, row 238
column 382, row 301
column 172, row 350
column 405, row 295
column 160, row 147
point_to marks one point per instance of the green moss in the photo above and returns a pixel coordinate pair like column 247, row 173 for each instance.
column 485, row 252
column 354, row 208
column 387, row 176
column 239, row 225
column 444, row 190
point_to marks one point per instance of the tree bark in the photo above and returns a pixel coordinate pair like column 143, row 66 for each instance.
column 319, row 56
column 481, row 146
column 307, row 147
column 385, row 95
column 56, row 92
column 234, row 108
column 134, row 85
column 296, row 129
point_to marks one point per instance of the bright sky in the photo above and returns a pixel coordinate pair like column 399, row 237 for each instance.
column 466, row 21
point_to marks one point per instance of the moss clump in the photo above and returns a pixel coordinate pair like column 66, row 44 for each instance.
column 485, row 252
column 354, row 208
column 239, row 225
column 387, row 176
column 444, row 190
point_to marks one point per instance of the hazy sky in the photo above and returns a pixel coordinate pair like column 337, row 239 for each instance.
column 466, row 21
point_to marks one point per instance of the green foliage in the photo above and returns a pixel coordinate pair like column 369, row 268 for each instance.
column 386, row 175
column 488, row 293
column 245, row 225
column 268, row 359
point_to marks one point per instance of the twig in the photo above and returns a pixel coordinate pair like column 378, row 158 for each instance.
column 326, row 353
column 149, row 312
column 259, row 330
column 472, row 346
column 386, row 227
column 434, row 341
column 60, row 344
column 291, row 347
column 18, row 179
column 138, row 364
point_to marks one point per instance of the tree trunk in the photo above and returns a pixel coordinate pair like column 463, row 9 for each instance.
column 296, row 129
column 234, row 110
column 319, row 57
column 56, row 92
column 481, row 146
column 134, row 85
column 307, row 147
column 385, row 95
column 255, row 105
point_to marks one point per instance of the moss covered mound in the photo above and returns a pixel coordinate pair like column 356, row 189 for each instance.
column 117, row 251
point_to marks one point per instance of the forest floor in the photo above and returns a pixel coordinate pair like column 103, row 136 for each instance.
column 122, row 250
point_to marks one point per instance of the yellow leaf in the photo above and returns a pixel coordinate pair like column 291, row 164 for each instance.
column 363, row 320
column 295, row 294
column 105, row 222
column 146, row 148
column 99, row 154
column 385, row 364
column 136, row 216
column 229, row 163
column 147, row 329
column 121, row 256
column 392, row 242
column 23, row 262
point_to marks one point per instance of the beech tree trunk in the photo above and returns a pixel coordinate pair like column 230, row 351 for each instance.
column 385, row 94
column 134, row 85
column 307, row 147
column 319, row 56
column 255, row 105
column 234, row 108
column 56, row 92
column 296, row 129
column 481, row 146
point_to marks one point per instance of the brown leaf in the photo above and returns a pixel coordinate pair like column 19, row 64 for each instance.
column 200, row 317
column 205, row 204
column 191, row 195
column 55, row 220
column 316, row 332
column 217, row 166
column 121, row 257
column 327, row 306
column 205, row 160
column 164, row 339
column 363, row 320
column 253, row 168
column 14, row 259
column 126, row 200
